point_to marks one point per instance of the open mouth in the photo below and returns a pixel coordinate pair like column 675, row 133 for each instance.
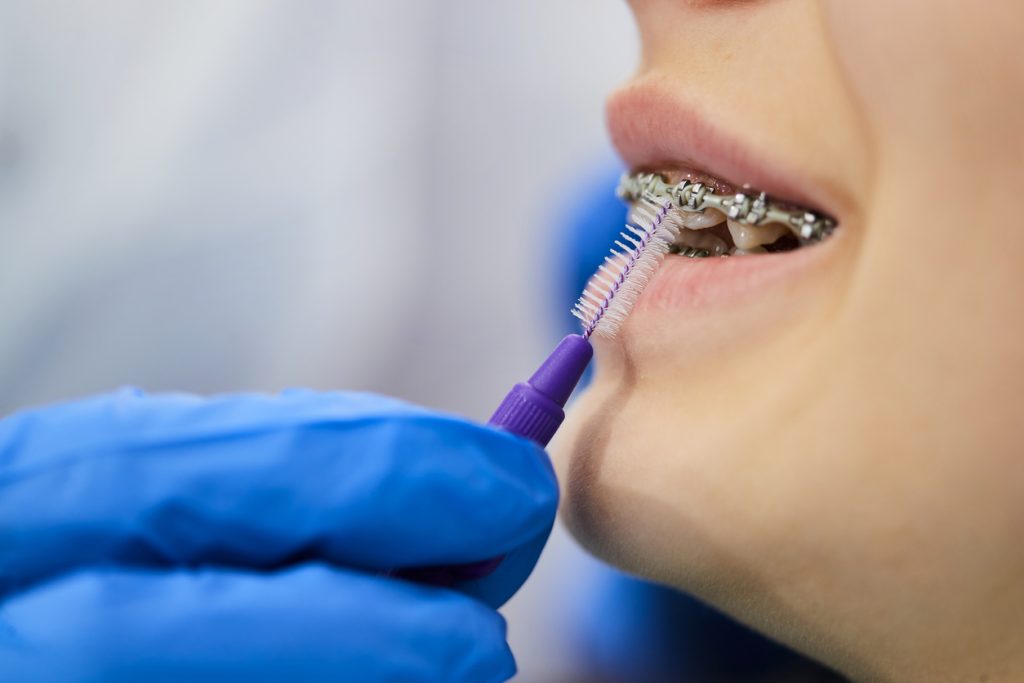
column 716, row 219
column 695, row 216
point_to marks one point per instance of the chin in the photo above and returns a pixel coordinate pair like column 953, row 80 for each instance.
column 635, row 494
column 660, row 503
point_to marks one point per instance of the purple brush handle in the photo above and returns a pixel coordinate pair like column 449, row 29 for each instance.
column 534, row 410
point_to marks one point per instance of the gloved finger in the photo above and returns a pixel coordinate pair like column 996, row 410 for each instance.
column 310, row 623
column 497, row 587
column 261, row 481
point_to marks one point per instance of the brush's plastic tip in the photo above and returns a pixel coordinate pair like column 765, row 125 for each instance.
column 561, row 372
column 533, row 409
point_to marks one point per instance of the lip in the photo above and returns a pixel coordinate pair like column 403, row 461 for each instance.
column 655, row 129
column 695, row 284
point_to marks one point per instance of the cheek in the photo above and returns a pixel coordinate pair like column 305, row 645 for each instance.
column 935, row 307
column 951, row 88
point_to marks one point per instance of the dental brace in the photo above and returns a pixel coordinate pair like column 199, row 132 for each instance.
column 743, row 207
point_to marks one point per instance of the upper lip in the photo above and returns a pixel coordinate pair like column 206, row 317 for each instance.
column 654, row 129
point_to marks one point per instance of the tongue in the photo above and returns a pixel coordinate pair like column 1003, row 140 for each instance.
column 715, row 241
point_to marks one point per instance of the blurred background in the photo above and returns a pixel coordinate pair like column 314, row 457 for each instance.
column 242, row 194
column 250, row 195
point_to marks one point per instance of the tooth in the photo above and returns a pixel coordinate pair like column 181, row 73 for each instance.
column 700, row 220
column 755, row 250
column 705, row 240
column 748, row 237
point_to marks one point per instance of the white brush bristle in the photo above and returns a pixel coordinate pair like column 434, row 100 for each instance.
column 613, row 290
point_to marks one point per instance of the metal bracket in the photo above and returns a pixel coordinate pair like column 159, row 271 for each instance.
column 747, row 207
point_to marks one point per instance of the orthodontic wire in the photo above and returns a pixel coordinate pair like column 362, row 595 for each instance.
column 747, row 207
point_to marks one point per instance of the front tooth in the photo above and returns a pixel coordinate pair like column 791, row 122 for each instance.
column 748, row 237
column 695, row 220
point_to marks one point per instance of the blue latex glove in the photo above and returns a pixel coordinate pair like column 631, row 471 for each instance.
column 245, row 538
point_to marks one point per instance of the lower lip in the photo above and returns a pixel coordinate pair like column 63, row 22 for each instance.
column 696, row 284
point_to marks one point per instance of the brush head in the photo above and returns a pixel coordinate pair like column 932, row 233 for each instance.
column 614, row 288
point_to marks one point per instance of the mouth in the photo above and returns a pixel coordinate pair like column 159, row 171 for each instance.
column 713, row 218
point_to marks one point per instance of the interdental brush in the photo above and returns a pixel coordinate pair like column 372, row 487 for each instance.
column 534, row 409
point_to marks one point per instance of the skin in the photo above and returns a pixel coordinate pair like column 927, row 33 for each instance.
column 838, row 463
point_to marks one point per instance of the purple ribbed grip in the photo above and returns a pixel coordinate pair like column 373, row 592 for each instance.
column 533, row 409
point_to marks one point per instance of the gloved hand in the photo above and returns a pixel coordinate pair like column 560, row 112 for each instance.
column 246, row 538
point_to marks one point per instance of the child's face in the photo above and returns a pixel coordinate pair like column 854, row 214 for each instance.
column 828, row 443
